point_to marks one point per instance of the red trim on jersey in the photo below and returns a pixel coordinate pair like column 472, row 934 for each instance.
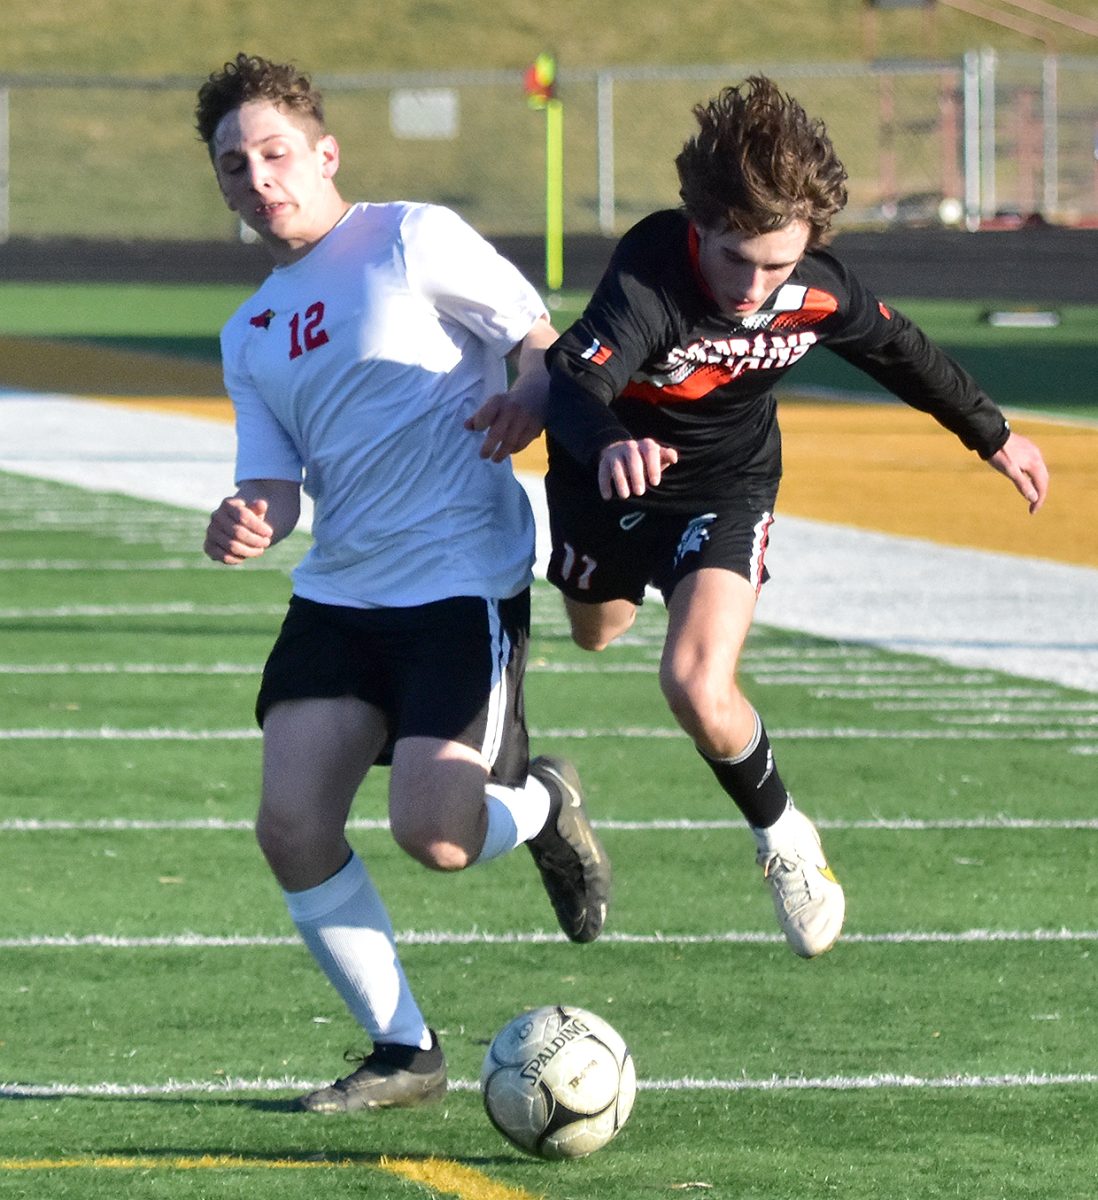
column 693, row 249
column 762, row 541
column 816, row 307
column 695, row 386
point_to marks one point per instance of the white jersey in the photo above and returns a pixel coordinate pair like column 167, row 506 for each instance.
column 352, row 371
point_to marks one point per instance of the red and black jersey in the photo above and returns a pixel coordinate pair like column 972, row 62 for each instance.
column 653, row 356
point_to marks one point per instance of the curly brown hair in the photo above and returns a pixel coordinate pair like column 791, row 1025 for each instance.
column 757, row 162
column 249, row 77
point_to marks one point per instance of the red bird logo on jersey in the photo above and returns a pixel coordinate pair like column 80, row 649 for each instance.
column 263, row 320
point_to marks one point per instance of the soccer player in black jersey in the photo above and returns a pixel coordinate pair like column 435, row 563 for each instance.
column 664, row 449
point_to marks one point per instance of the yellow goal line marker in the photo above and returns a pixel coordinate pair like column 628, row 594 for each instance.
column 443, row 1176
column 452, row 1179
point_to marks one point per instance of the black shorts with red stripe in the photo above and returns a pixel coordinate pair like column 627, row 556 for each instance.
column 614, row 549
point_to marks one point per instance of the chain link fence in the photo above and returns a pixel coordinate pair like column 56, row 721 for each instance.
column 986, row 136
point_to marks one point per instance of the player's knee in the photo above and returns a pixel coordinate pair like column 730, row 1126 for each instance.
column 596, row 635
column 591, row 639
column 701, row 701
column 285, row 841
column 683, row 692
column 438, row 855
column 429, row 848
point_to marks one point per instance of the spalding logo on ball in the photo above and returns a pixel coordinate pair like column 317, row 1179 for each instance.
column 558, row 1082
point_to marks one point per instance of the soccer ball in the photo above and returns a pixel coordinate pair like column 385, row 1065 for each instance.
column 558, row 1082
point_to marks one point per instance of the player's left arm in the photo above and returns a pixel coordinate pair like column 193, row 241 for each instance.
column 899, row 355
column 511, row 420
column 1022, row 463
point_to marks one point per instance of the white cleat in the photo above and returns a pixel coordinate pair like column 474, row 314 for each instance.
column 808, row 899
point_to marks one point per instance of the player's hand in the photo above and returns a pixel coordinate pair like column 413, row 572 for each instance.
column 237, row 531
column 1021, row 462
column 509, row 422
column 630, row 468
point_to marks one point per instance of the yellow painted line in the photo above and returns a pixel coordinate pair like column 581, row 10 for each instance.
column 210, row 408
column 443, row 1176
column 879, row 467
column 48, row 365
column 452, row 1179
column 146, row 1162
column 890, row 469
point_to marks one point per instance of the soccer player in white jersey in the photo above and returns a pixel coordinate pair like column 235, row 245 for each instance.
column 370, row 369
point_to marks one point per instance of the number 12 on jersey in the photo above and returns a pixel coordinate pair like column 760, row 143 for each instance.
column 307, row 333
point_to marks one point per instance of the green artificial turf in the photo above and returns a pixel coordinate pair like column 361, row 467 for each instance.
column 159, row 1014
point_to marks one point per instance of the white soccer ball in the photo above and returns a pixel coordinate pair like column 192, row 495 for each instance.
column 558, row 1082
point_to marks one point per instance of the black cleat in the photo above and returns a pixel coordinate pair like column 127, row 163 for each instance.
column 390, row 1076
column 574, row 867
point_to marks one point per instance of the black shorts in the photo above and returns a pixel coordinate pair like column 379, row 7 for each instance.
column 612, row 550
column 451, row 669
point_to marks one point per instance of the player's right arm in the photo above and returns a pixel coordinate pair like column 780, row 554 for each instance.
column 630, row 467
column 625, row 323
column 244, row 525
column 580, row 419
column 269, row 465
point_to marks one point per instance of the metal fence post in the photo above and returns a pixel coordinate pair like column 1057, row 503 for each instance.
column 604, row 99
column 1050, row 115
column 972, row 127
column 956, row 141
column 988, row 150
column 5, row 164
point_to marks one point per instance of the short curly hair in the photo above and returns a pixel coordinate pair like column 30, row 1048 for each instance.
column 249, row 77
column 758, row 162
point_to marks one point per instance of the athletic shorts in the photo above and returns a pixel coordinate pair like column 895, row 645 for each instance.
column 450, row 669
column 610, row 550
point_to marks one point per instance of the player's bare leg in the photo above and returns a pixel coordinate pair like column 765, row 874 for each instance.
column 482, row 819
column 709, row 616
column 710, row 613
column 315, row 755
column 595, row 626
column 436, row 802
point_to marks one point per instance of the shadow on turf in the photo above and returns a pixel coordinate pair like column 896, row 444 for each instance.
column 298, row 1153
column 291, row 1105
column 361, row 1158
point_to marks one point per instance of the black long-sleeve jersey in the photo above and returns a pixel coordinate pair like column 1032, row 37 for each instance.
column 653, row 356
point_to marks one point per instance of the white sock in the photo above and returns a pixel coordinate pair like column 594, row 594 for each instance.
column 344, row 923
column 514, row 816
column 773, row 836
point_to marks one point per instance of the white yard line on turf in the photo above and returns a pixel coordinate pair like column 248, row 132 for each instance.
column 117, row 564
column 774, row 1083
column 682, row 825
column 970, row 608
column 479, row 937
column 180, row 608
column 966, row 607
column 964, row 733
